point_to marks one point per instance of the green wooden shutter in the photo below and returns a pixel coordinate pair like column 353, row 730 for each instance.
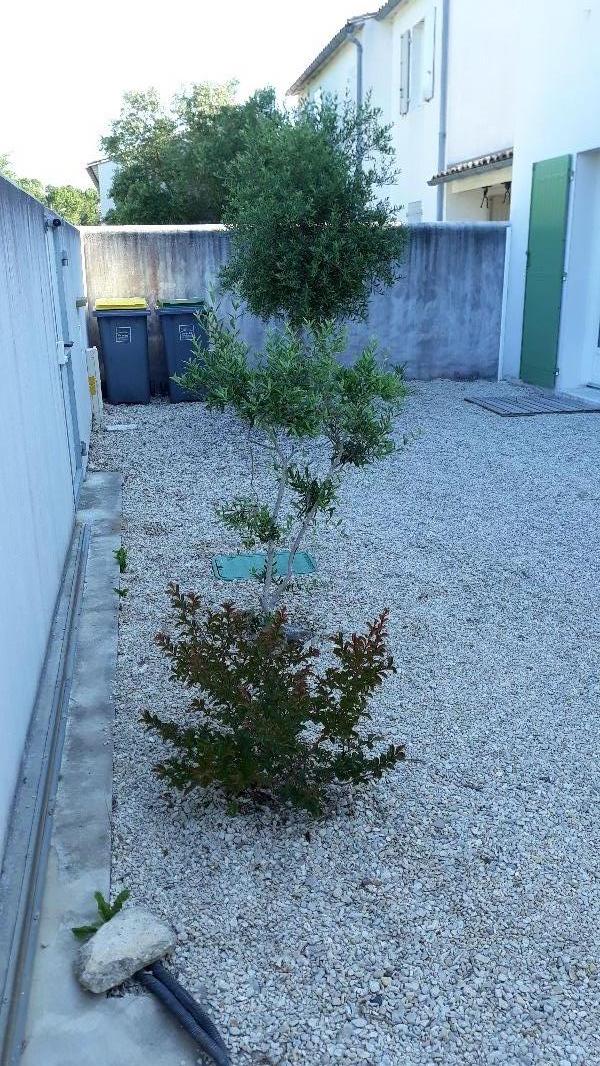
column 545, row 270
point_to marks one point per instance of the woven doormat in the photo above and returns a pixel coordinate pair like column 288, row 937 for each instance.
column 532, row 404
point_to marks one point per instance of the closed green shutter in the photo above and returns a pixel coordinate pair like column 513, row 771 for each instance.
column 545, row 270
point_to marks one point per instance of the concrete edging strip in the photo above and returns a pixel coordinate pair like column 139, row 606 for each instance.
column 28, row 840
column 67, row 1026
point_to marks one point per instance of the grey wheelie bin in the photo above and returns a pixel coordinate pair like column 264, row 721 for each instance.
column 180, row 328
column 123, row 326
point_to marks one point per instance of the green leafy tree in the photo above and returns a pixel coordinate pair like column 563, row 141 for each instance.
column 312, row 234
column 172, row 160
column 266, row 723
column 296, row 391
column 79, row 206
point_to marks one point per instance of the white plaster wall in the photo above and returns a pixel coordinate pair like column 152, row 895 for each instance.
column 482, row 94
column 581, row 296
column 416, row 134
column 558, row 86
column 377, row 65
column 36, row 487
column 106, row 173
column 338, row 77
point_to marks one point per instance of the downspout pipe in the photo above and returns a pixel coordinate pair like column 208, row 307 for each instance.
column 443, row 106
column 356, row 41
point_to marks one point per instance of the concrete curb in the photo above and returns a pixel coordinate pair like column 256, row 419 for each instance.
column 65, row 1025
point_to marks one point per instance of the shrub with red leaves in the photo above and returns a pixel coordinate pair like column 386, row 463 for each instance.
column 266, row 723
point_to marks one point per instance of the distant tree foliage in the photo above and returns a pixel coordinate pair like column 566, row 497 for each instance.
column 173, row 160
column 79, row 206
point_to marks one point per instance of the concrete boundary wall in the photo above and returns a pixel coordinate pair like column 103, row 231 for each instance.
column 441, row 319
column 45, row 416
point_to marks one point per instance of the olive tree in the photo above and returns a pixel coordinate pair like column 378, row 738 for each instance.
column 312, row 233
column 295, row 392
column 312, row 236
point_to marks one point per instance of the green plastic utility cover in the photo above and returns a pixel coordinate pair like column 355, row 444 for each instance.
column 244, row 567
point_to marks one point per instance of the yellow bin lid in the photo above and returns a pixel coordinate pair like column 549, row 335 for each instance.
column 130, row 303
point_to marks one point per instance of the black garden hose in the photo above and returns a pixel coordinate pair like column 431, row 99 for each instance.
column 197, row 1012
column 172, row 1003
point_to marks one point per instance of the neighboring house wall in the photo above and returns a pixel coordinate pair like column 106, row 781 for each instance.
column 102, row 173
column 482, row 102
column 339, row 76
column 39, row 473
column 440, row 319
column 482, row 97
column 558, row 85
column 106, row 174
column 416, row 132
column 404, row 72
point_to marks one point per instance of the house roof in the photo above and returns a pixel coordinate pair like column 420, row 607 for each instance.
column 330, row 48
column 386, row 9
column 92, row 170
column 336, row 42
column 492, row 161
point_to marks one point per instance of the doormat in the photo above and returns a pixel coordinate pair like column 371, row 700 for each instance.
column 244, row 567
column 532, row 404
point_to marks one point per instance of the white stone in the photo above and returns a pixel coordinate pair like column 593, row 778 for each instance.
column 134, row 938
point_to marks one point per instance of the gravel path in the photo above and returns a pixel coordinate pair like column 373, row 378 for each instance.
column 449, row 913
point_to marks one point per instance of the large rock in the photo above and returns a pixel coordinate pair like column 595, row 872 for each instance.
column 134, row 938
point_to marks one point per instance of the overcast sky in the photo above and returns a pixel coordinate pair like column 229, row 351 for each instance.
column 65, row 65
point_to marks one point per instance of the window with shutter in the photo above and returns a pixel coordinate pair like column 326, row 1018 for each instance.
column 404, row 72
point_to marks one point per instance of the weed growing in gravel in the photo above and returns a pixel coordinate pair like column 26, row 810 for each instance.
column 266, row 725
column 120, row 555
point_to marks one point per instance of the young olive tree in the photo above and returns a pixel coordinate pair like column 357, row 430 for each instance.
column 312, row 234
column 294, row 392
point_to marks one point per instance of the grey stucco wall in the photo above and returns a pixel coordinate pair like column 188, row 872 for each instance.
column 441, row 319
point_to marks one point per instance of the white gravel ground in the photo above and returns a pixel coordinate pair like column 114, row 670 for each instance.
column 448, row 914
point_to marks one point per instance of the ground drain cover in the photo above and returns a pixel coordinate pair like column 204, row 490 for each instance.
column 244, row 567
column 532, row 404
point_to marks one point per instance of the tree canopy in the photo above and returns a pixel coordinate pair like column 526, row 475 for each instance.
column 79, row 206
column 312, row 232
column 173, row 160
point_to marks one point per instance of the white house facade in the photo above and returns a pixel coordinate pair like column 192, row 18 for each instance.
column 552, row 320
column 439, row 70
column 102, row 172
